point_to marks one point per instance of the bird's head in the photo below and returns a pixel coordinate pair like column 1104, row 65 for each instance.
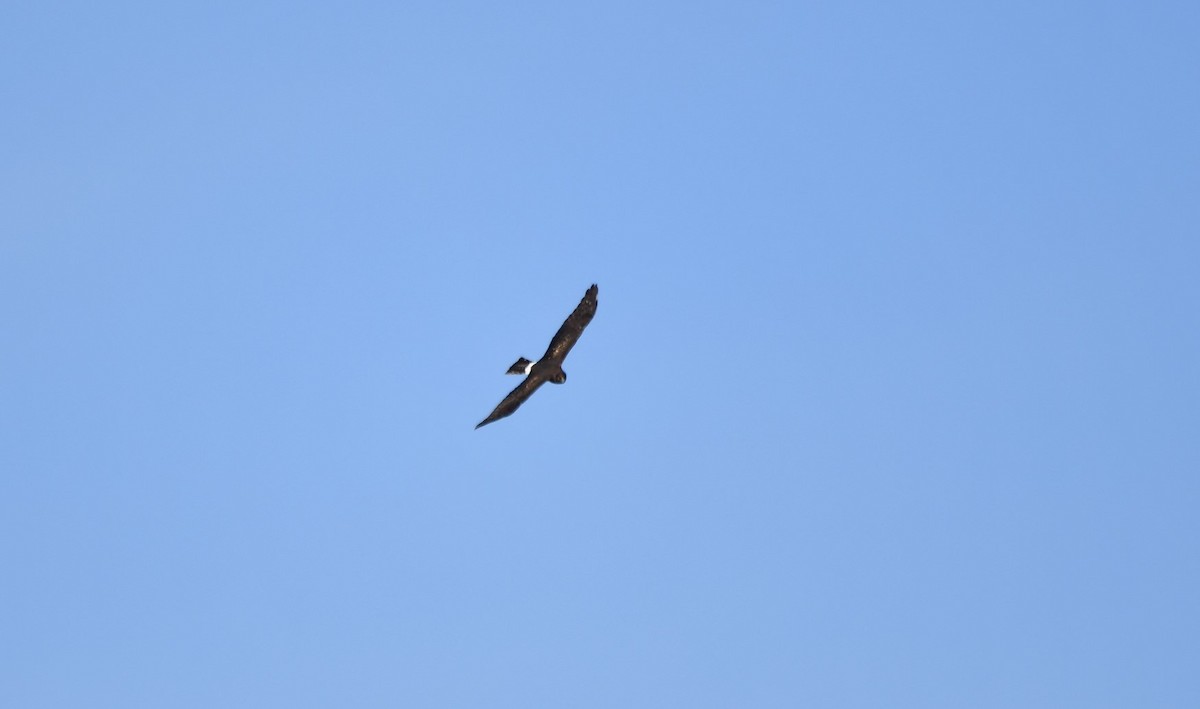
column 559, row 377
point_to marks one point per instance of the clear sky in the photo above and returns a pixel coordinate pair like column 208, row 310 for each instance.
column 892, row 398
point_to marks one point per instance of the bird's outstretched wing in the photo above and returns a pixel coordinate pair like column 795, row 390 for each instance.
column 515, row 398
column 572, row 328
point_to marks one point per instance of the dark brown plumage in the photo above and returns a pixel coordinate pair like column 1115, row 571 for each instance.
column 549, row 367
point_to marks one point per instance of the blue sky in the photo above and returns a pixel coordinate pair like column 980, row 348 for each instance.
column 891, row 398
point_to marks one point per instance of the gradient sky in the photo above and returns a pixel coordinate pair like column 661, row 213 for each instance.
column 892, row 398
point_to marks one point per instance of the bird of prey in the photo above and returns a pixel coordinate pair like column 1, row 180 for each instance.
column 549, row 367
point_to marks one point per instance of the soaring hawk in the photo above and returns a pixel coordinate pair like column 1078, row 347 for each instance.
column 549, row 367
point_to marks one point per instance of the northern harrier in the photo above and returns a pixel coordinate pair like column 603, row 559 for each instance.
column 549, row 367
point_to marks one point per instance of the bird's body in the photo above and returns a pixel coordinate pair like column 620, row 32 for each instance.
column 549, row 367
column 548, row 370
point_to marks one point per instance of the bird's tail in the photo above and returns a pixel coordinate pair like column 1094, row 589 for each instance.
column 521, row 366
